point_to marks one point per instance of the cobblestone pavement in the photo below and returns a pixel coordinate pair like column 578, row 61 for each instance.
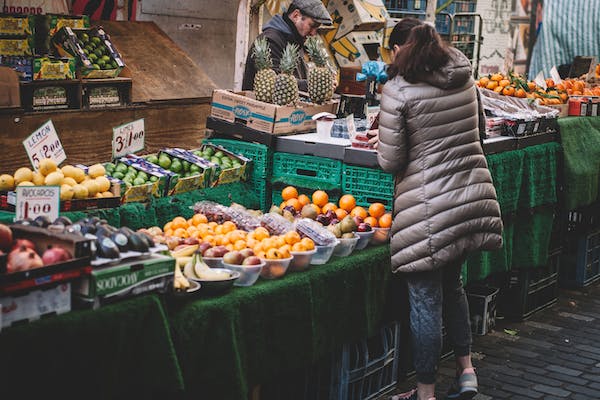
column 555, row 354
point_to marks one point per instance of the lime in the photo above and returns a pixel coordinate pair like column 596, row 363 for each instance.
column 186, row 165
column 109, row 166
column 139, row 181
column 131, row 169
column 96, row 40
column 84, row 37
column 209, row 151
column 194, row 169
column 153, row 178
column 121, row 167
column 118, row 175
column 106, row 58
column 142, row 175
column 114, row 64
column 98, row 52
column 93, row 57
column 164, row 161
column 219, row 154
column 152, row 159
column 95, row 66
column 176, row 166
column 87, row 53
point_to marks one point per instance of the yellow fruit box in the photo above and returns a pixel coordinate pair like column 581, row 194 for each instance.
column 243, row 109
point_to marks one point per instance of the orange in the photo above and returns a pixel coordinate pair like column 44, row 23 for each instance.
column 347, row 202
column 292, row 237
column 520, row 93
column 168, row 226
column 320, row 198
column 169, row 232
column 497, row 77
column 268, row 243
column 308, row 243
column 340, row 213
column 180, row 232
column 274, row 254
column 294, row 203
column 278, row 241
column 376, row 210
column 236, row 235
column 239, row 244
column 212, row 225
column 229, row 247
column 504, row 82
column 508, row 91
column 303, row 199
column 210, row 239
column 282, row 205
column 327, row 207
column 179, row 222
column 220, row 229
column 316, row 207
column 484, row 81
column 250, row 243
column 260, row 254
column 191, row 230
column 222, row 240
column 189, row 222
column 229, row 226
column 359, row 211
column 385, row 221
column 549, row 83
column 372, row 221
column 492, row 85
column 198, row 219
column 298, row 247
column 289, row 192
column 261, row 233
column 285, row 251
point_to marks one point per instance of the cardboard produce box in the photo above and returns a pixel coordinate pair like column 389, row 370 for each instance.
column 52, row 300
column 58, row 21
column 200, row 171
column 16, row 46
column 97, row 56
column 16, row 25
column 242, row 108
column 357, row 15
column 132, row 278
column 356, row 48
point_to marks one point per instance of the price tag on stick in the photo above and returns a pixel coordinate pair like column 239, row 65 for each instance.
column 128, row 138
column 33, row 201
column 44, row 143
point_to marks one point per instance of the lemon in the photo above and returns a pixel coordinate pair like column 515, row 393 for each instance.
column 91, row 186
column 47, row 166
column 38, row 179
column 66, row 192
column 99, row 195
column 54, row 178
column 103, row 183
column 96, row 170
column 79, row 175
column 23, row 174
column 7, row 182
column 108, row 194
column 69, row 181
column 26, row 183
column 69, row 171
column 80, row 192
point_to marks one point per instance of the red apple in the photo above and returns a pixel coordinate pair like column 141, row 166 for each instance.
column 190, row 240
column 358, row 220
column 6, row 237
column 203, row 246
column 246, row 253
column 364, row 227
column 252, row 260
column 233, row 257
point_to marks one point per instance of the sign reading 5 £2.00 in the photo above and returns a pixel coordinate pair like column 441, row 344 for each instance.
column 44, row 143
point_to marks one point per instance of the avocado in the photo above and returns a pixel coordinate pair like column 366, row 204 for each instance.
column 121, row 241
column 137, row 243
column 107, row 248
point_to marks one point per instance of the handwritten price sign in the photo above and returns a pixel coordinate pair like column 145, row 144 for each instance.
column 33, row 201
column 44, row 143
column 128, row 138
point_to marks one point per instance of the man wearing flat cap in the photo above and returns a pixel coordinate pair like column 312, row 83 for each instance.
column 301, row 20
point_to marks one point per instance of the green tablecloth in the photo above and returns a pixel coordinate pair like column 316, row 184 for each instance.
column 122, row 350
column 581, row 145
column 227, row 344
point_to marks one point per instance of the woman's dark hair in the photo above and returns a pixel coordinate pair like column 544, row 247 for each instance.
column 423, row 52
column 401, row 31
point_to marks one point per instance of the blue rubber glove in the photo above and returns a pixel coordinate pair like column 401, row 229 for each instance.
column 375, row 69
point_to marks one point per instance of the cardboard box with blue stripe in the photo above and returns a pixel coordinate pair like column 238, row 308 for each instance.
column 242, row 108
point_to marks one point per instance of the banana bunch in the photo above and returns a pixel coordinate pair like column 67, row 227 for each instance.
column 180, row 282
column 196, row 268
column 184, row 250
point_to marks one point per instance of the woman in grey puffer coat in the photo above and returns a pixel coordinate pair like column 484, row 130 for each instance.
column 444, row 201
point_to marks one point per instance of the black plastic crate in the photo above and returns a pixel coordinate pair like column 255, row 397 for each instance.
column 482, row 308
column 584, row 219
column 529, row 290
column 580, row 264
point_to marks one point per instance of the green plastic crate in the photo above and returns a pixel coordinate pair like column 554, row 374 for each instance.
column 368, row 185
column 307, row 171
column 260, row 154
column 263, row 192
column 334, row 195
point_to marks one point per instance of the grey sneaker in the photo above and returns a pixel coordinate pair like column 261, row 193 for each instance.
column 464, row 387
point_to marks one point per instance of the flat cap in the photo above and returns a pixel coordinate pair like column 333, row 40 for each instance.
column 314, row 9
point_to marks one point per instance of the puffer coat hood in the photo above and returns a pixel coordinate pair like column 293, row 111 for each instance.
column 444, row 201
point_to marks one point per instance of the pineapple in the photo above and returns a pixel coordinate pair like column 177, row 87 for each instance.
column 264, row 80
column 320, row 79
column 286, row 86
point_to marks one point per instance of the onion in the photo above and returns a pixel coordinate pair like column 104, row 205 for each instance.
column 54, row 255
column 22, row 259
column 6, row 237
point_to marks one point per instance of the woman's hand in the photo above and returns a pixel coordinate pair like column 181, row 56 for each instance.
column 373, row 135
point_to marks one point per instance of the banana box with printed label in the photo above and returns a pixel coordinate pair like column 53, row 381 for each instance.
column 356, row 48
column 357, row 15
column 16, row 46
column 17, row 25
column 110, row 283
column 243, row 109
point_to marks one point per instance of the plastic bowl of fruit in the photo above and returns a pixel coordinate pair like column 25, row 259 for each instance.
column 217, row 281
column 346, row 246
column 323, row 253
column 275, row 267
column 380, row 235
column 248, row 273
column 301, row 259
column 363, row 239
column 214, row 262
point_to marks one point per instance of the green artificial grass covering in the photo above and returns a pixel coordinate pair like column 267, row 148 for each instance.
column 228, row 344
column 507, row 174
column 532, row 238
column 539, row 175
column 581, row 145
column 119, row 351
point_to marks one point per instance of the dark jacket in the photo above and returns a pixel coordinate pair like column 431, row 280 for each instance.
column 444, row 201
column 279, row 31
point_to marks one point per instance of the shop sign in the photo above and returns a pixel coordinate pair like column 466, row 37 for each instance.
column 33, row 201
column 128, row 138
column 44, row 143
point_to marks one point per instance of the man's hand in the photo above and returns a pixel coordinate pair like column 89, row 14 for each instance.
column 373, row 135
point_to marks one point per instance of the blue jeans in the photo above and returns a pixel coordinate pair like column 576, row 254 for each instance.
column 432, row 294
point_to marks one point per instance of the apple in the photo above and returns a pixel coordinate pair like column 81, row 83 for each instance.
column 221, row 250
column 211, row 253
column 6, row 237
column 364, row 227
column 252, row 260
column 334, row 221
column 290, row 209
column 331, row 214
column 246, row 253
column 323, row 219
column 191, row 240
column 203, row 246
column 358, row 220
column 233, row 257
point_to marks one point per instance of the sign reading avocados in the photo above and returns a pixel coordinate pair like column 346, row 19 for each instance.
column 44, row 143
column 128, row 138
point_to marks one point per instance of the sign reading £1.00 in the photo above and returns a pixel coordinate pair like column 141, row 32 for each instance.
column 33, row 201
column 44, row 143
column 128, row 138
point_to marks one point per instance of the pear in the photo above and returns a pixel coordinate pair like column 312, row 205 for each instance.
column 336, row 229
column 288, row 215
column 275, row 209
column 308, row 211
column 348, row 224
